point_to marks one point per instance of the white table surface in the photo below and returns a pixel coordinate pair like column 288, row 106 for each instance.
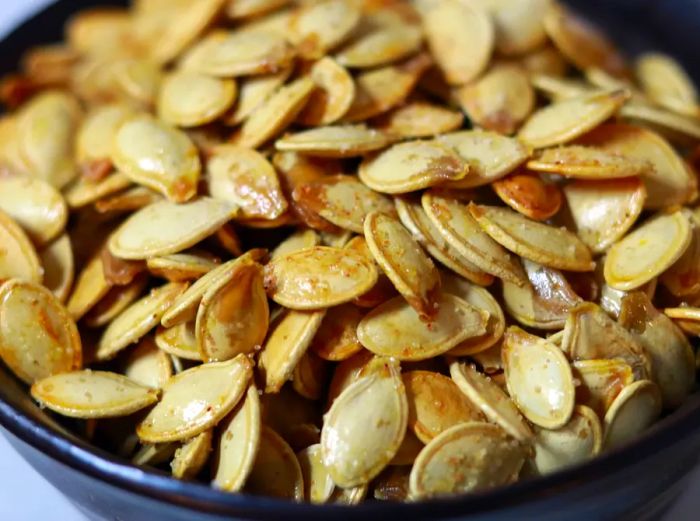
column 26, row 496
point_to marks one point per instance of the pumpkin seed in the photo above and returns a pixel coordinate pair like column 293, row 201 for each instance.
column 318, row 485
column 93, row 140
column 392, row 484
column 395, row 329
column 457, row 226
column 577, row 441
column 287, row 341
column 309, row 376
column 667, row 84
column 465, row 458
column 380, row 46
column 19, row 259
column 179, row 340
column 518, row 25
column 246, row 179
column 318, row 277
column 251, row 8
column 179, row 267
column 682, row 278
column 335, row 91
column 196, row 400
column 192, row 456
column 568, row 119
column 276, row 471
column 603, row 211
column 636, row 407
column 83, row 192
column 147, row 365
column 137, row 320
column 238, row 443
column 337, row 141
column 461, row 37
column 500, row 100
column 648, row 251
column 318, row 27
column 92, row 394
column 677, row 126
column 401, row 258
column 253, row 91
column 59, row 267
column 351, row 456
column 601, row 381
column 158, row 156
column 163, row 228
column 416, row 119
column 529, row 195
column 336, row 339
column 539, row 242
column 494, row 403
column 188, row 99
column 435, row 404
column 539, row 379
column 582, row 162
column 90, row 287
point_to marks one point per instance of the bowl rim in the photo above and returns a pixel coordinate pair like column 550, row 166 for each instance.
column 159, row 486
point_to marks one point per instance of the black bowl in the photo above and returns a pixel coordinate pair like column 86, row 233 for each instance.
column 639, row 481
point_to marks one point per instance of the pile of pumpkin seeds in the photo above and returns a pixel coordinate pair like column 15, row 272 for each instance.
column 342, row 249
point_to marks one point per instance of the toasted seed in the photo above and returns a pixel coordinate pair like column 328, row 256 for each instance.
column 577, row 441
column 601, row 382
column 299, row 240
column 342, row 200
column 153, row 454
column 581, row 42
column 59, row 267
column 677, row 126
column 158, row 156
column 539, row 242
column 272, row 116
column 185, row 306
column 189, row 99
column 539, row 378
column 481, row 299
column 566, row 120
column 636, row 407
column 401, row 258
column 648, row 251
column 233, row 315
column 468, row 457
column 196, row 400
column 489, row 155
column 92, row 394
column 336, row 339
column 117, row 299
column 179, row 267
column 543, row 303
column 349, row 496
column 529, row 195
column 500, row 100
column 98, row 31
column 457, row 226
column 238, row 444
column 491, row 399
column 581, row 162
column 667, row 84
column 591, row 334
column 251, row 8
column 244, row 177
column 38, row 338
column 93, row 140
column 289, row 337
column 383, row 289
column 165, row 227
column 669, row 181
column 35, row 205
column 408, row 451
column 135, row 80
column 603, row 211
column 461, row 37
column 319, row 27
column 132, row 199
column 179, row 340
column 381, row 46
column 670, row 352
column 318, row 277
column 309, row 376
column 352, row 454
column 276, row 471
column 192, row 456
column 335, row 91
column 90, row 287
column 682, row 278
column 435, row 404
column 19, row 259
column 395, row 329
column 253, row 91
column 416, row 119
column 137, row 320
column 611, row 298
column 147, row 365
column 338, row 141
column 45, row 134
column 83, row 192
column 413, row 217
column 518, row 24
column 318, row 485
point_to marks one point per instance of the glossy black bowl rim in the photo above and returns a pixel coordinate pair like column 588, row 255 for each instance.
column 103, row 466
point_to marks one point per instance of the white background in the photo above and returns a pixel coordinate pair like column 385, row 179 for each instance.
column 25, row 496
